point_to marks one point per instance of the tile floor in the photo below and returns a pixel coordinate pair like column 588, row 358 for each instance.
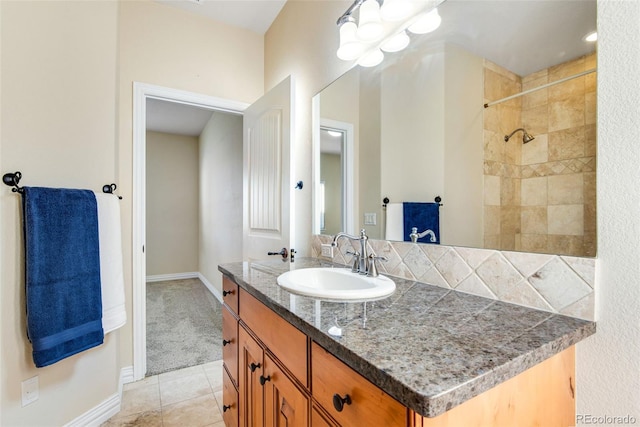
column 187, row 397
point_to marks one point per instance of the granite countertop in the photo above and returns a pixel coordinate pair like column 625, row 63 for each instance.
column 430, row 348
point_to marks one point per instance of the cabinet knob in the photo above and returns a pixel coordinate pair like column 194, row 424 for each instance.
column 225, row 342
column 225, row 408
column 263, row 380
column 225, row 293
column 254, row 366
column 338, row 401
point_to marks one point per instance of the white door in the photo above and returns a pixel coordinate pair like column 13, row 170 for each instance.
column 267, row 178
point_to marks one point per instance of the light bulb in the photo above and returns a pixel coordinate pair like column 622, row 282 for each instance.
column 395, row 10
column 396, row 43
column 350, row 48
column 426, row 23
column 371, row 59
column 591, row 37
column 369, row 25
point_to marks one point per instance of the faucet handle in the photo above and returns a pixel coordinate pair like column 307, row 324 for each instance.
column 373, row 269
column 356, row 261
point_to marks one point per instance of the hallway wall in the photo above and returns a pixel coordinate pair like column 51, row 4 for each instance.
column 172, row 204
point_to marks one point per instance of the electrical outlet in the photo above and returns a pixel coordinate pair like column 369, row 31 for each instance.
column 327, row 250
column 30, row 391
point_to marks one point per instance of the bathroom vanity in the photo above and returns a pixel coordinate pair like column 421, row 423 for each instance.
column 424, row 356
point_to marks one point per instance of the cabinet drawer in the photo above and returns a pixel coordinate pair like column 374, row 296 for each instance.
column 286, row 342
column 229, row 401
column 319, row 419
column 230, row 343
column 230, row 294
column 369, row 404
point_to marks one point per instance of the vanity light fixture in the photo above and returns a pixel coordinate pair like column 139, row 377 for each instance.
column 382, row 26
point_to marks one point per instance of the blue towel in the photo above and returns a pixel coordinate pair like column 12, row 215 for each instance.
column 62, row 259
column 423, row 216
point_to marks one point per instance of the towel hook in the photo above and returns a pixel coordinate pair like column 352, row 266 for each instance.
column 109, row 189
column 12, row 180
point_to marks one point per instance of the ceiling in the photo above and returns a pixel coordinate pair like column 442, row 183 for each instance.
column 254, row 15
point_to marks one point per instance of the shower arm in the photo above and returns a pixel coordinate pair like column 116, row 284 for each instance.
column 506, row 138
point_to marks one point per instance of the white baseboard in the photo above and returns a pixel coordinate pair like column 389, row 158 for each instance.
column 173, row 276
column 108, row 408
column 216, row 293
column 126, row 376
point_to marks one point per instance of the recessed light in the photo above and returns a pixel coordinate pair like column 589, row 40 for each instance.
column 334, row 133
column 591, row 37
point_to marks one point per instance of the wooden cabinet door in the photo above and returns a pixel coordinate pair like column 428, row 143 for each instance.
column 285, row 405
column 251, row 364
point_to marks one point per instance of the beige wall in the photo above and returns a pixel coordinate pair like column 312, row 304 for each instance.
column 68, row 69
column 306, row 48
column 164, row 46
column 220, row 195
column 341, row 101
column 299, row 44
column 172, row 203
column 59, row 74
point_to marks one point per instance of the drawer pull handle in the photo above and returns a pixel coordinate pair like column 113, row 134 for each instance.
column 225, row 342
column 225, row 293
column 254, row 366
column 263, row 380
column 338, row 401
column 225, row 408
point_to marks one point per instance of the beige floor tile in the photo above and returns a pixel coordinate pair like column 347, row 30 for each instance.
column 143, row 419
column 197, row 412
column 184, row 388
column 214, row 375
column 218, row 396
column 142, row 383
column 180, row 373
column 141, row 399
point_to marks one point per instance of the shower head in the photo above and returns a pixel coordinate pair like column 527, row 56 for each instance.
column 526, row 137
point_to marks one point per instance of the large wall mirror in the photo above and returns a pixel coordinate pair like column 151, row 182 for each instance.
column 432, row 120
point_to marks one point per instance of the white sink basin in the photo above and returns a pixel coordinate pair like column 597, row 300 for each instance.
column 336, row 284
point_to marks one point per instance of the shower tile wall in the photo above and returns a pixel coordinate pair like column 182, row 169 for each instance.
column 540, row 197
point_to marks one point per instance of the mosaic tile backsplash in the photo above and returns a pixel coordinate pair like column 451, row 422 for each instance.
column 554, row 283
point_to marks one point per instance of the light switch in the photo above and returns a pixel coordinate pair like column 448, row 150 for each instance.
column 370, row 218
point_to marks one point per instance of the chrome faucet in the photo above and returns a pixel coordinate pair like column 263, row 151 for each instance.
column 415, row 235
column 361, row 258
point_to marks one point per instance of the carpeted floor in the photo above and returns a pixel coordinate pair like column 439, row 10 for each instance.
column 184, row 325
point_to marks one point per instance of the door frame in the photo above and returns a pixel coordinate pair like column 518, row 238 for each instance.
column 142, row 92
column 347, row 166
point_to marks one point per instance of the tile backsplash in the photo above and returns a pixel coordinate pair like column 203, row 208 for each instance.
column 555, row 283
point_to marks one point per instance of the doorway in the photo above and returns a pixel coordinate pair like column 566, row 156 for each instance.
column 142, row 94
